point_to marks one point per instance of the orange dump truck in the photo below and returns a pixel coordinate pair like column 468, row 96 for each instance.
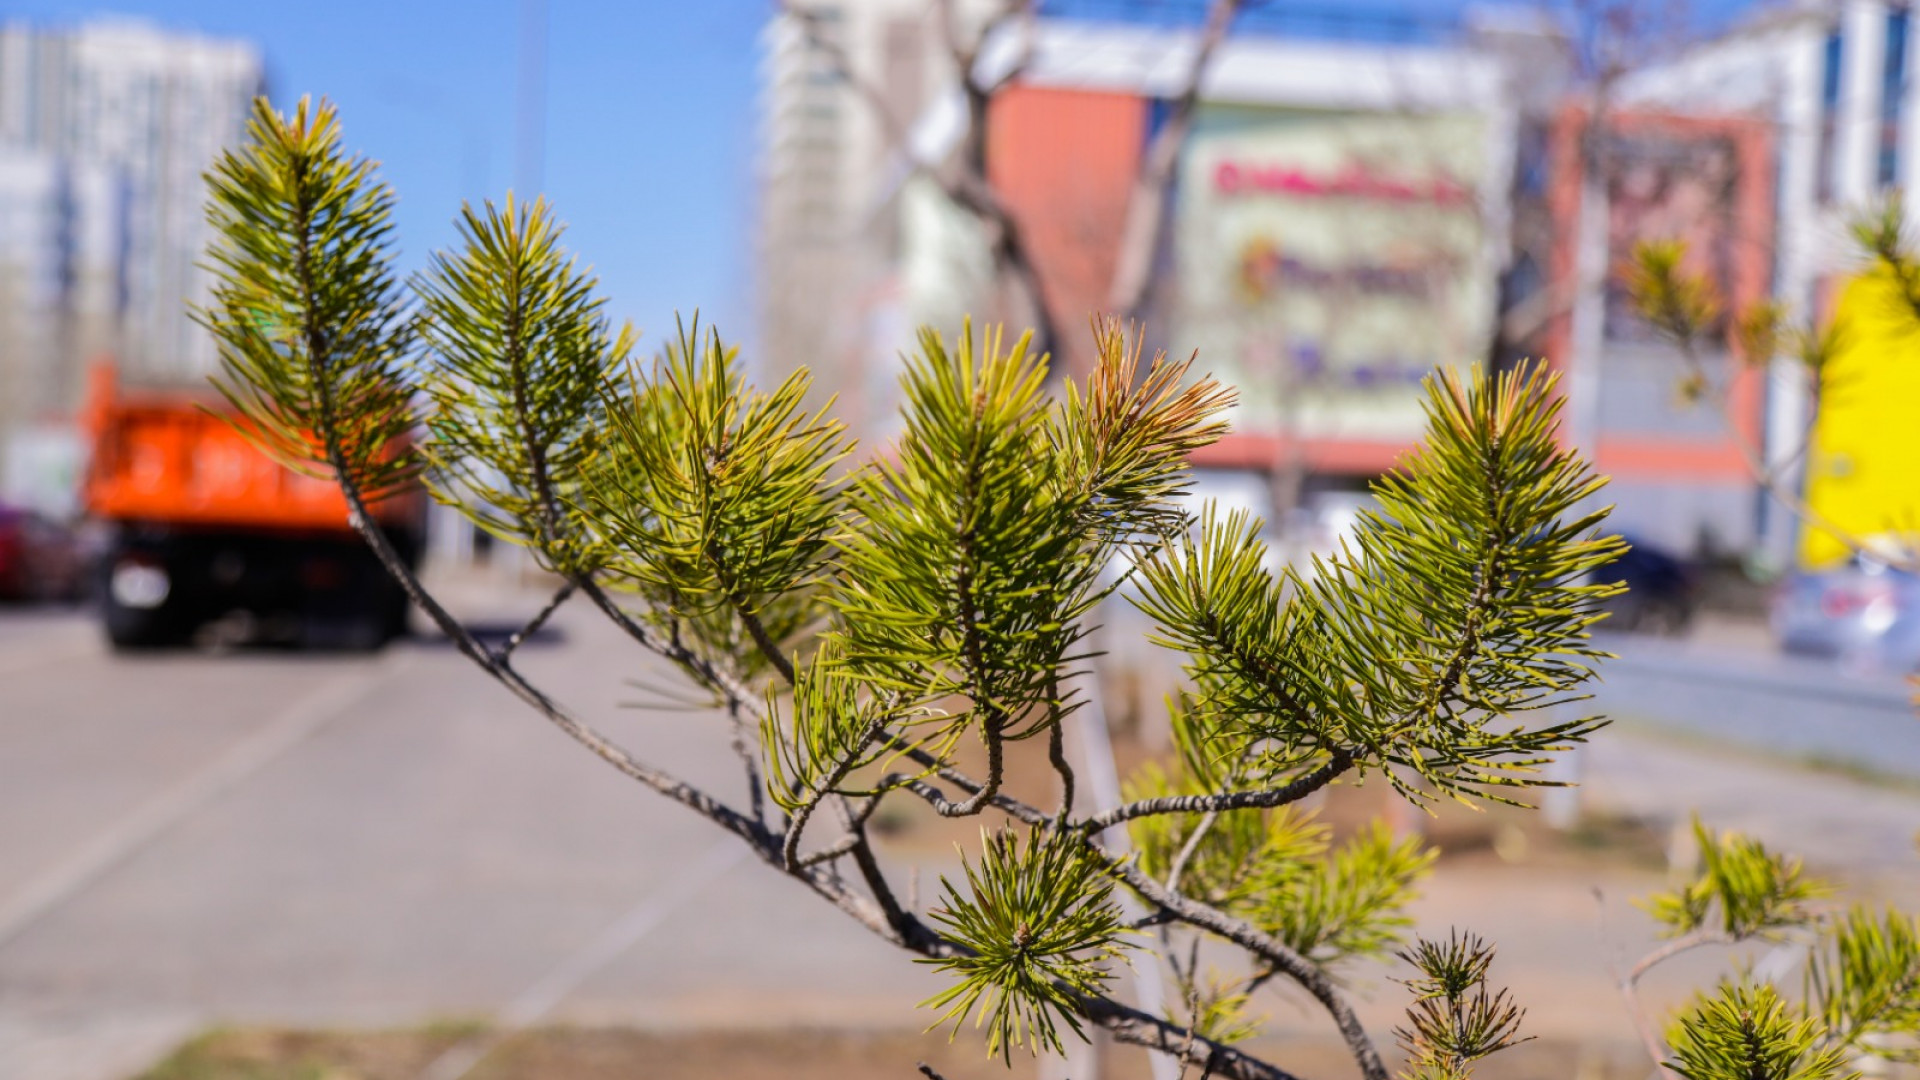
column 208, row 532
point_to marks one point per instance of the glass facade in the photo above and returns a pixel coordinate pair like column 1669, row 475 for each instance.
column 1893, row 86
column 1830, row 113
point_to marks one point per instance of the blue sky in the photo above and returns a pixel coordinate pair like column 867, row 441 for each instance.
column 650, row 112
column 649, row 133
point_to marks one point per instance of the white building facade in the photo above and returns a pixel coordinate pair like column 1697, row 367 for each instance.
column 1835, row 79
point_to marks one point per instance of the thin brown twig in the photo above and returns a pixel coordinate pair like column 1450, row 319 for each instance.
column 1629, row 985
column 533, row 625
column 790, row 846
column 1187, row 849
column 965, row 181
column 1057, row 755
column 1143, row 231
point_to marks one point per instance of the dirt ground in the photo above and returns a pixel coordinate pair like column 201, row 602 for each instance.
column 609, row 1053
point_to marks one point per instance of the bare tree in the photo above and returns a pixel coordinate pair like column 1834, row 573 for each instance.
column 962, row 177
column 1142, row 238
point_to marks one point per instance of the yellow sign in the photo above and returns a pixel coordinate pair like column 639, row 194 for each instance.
column 1863, row 472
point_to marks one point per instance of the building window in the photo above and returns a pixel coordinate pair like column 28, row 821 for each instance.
column 1829, row 114
column 1893, row 92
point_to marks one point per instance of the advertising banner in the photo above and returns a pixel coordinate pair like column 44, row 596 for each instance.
column 1328, row 261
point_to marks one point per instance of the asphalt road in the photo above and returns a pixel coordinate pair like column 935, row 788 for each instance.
column 1794, row 707
column 190, row 839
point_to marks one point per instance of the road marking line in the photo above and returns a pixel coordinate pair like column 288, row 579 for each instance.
column 126, row 837
column 542, row 997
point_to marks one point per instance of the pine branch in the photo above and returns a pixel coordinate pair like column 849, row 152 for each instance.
column 561, row 595
column 1265, row 798
column 1283, row 958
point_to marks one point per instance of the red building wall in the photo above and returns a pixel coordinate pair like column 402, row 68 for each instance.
column 1064, row 161
column 1748, row 280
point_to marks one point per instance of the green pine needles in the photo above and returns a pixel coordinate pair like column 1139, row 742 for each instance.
column 313, row 324
column 1748, row 1032
column 717, row 502
column 965, row 572
column 1032, row 934
column 1742, row 891
column 1859, row 996
column 1863, row 979
column 1459, row 606
column 516, row 354
column 1454, row 1021
column 898, row 624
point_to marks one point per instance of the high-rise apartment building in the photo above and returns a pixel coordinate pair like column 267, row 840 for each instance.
column 106, row 131
column 833, row 165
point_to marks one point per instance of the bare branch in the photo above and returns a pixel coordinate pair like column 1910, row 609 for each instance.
column 1006, row 804
column 838, row 849
column 743, row 748
column 1130, row 1025
column 1630, row 991
column 1057, row 755
column 965, row 182
column 505, row 651
column 1672, row 949
column 791, row 846
column 1338, row 763
column 706, row 673
column 937, row 799
column 855, row 822
column 1309, row 975
column 893, row 128
column 1141, row 235
column 762, row 640
column 871, row 873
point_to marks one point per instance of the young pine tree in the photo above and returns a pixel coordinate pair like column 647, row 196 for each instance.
column 856, row 615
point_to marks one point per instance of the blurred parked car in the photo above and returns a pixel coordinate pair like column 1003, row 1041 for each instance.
column 1662, row 591
column 40, row 559
column 1865, row 613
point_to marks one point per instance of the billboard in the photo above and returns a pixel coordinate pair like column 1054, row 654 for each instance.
column 1328, row 261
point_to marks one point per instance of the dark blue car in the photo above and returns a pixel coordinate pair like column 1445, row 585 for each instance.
column 1662, row 591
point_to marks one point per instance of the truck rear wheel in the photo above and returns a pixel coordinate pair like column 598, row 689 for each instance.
column 132, row 630
column 137, row 604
